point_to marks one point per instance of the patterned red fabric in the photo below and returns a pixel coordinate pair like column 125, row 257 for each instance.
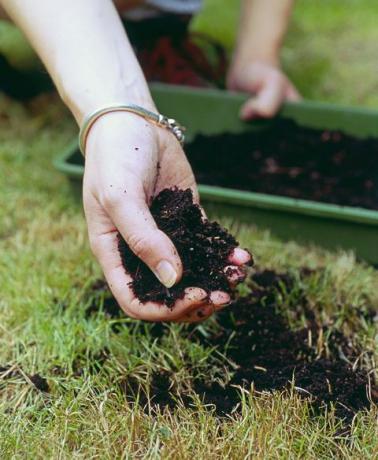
column 169, row 53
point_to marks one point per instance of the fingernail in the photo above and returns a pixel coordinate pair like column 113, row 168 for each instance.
column 166, row 274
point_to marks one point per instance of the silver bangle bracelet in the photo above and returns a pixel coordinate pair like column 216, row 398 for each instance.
column 168, row 123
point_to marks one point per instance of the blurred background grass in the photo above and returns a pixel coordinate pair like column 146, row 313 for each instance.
column 331, row 49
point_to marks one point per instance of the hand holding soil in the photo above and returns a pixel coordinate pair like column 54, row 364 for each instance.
column 206, row 249
column 129, row 161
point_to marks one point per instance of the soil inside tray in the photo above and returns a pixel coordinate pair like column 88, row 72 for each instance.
column 286, row 159
column 203, row 246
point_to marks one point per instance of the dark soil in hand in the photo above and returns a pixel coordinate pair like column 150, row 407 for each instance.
column 287, row 159
column 204, row 248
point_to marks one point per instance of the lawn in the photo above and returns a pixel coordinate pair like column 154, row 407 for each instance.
column 57, row 321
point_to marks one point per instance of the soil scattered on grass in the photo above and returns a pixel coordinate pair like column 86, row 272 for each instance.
column 286, row 159
column 204, row 248
column 269, row 355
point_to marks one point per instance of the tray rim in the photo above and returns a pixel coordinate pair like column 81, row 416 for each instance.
column 310, row 104
column 247, row 199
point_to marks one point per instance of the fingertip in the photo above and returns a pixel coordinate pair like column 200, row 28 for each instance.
column 235, row 274
column 166, row 273
column 293, row 95
column 240, row 256
column 168, row 268
column 195, row 296
column 220, row 299
column 247, row 111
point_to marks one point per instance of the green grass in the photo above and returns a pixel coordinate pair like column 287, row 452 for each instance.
column 46, row 271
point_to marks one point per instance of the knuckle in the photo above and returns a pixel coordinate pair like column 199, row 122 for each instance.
column 140, row 244
column 111, row 199
column 276, row 80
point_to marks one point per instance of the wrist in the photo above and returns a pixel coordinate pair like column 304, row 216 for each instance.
column 81, row 103
column 114, row 132
column 239, row 70
column 244, row 58
column 156, row 118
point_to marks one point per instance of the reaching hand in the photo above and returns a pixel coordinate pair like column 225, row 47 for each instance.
column 269, row 85
column 129, row 161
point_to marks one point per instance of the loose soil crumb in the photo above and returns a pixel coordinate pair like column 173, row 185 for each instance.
column 40, row 383
column 204, row 248
column 286, row 159
column 159, row 390
column 10, row 372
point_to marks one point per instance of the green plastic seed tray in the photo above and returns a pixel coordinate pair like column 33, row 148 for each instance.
column 213, row 112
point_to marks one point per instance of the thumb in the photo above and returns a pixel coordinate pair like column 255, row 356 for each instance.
column 135, row 223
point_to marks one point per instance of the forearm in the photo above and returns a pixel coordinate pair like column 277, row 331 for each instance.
column 85, row 49
column 263, row 25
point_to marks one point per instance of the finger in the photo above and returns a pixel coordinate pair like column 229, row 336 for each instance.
column 235, row 275
column 240, row 256
column 134, row 221
column 105, row 248
column 292, row 94
column 218, row 301
column 151, row 311
column 197, row 316
column 267, row 101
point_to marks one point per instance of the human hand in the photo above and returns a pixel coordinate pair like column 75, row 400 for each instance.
column 129, row 161
column 267, row 82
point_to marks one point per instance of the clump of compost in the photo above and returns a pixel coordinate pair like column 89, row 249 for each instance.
column 203, row 246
